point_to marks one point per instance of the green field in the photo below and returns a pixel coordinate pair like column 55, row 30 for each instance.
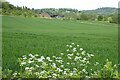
column 49, row 37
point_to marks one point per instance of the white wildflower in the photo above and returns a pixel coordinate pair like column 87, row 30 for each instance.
column 67, row 50
column 107, row 60
column 58, row 58
column 59, row 70
column 42, row 57
column 68, row 63
column 37, row 73
column 23, row 63
column 49, row 76
column 62, row 66
column 77, row 58
column 14, row 74
column 74, row 69
column 30, row 61
column 88, row 55
column 54, row 56
column 81, row 64
column 24, row 58
column 84, row 59
column 40, row 60
column 66, row 69
column 87, row 62
column 54, row 65
column 72, row 63
column 31, row 68
column 71, row 74
column 27, row 68
column 59, row 61
column 87, row 76
column 36, row 65
column 84, row 70
column 44, row 64
column 67, row 45
column 54, row 74
column 73, row 43
column 83, row 52
column 74, row 50
column 77, row 54
column 78, row 45
column 115, row 65
column 97, row 63
column 65, row 73
column 48, row 58
column 36, row 55
column 70, row 46
column 42, row 72
column 74, row 72
column 61, row 54
column 32, row 56
column 70, row 55
column 81, row 49
column 92, row 55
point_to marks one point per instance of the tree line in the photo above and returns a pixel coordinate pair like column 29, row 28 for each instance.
column 9, row 9
column 74, row 14
column 68, row 14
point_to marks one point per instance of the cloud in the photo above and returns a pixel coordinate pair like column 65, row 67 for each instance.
column 77, row 4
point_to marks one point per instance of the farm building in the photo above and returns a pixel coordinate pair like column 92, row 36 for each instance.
column 45, row 15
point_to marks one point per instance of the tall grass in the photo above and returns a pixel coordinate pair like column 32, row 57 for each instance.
column 22, row 36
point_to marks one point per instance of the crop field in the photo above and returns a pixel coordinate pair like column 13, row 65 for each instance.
column 49, row 37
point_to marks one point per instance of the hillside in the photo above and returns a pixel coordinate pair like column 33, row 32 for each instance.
column 102, row 11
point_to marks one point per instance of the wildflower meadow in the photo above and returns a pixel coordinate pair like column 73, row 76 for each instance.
column 76, row 65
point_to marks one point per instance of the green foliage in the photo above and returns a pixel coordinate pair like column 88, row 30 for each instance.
column 71, row 16
column 114, row 18
column 100, row 18
column 84, row 17
column 9, row 9
column 7, row 73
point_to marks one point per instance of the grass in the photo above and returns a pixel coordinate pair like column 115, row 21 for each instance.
column 49, row 37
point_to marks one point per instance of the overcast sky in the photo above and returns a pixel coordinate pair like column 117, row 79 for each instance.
column 75, row 4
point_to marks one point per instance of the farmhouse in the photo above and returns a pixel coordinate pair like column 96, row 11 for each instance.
column 45, row 15
column 57, row 16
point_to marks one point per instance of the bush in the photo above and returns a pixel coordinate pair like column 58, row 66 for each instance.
column 114, row 19
column 100, row 18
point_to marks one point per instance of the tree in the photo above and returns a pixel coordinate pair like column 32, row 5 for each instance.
column 114, row 18
column 100, row 18
column 83, row 17
column 110, row 19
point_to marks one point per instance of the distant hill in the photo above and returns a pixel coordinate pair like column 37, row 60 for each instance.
column 102, row 11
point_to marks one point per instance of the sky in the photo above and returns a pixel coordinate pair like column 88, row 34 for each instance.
column 74, row 4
